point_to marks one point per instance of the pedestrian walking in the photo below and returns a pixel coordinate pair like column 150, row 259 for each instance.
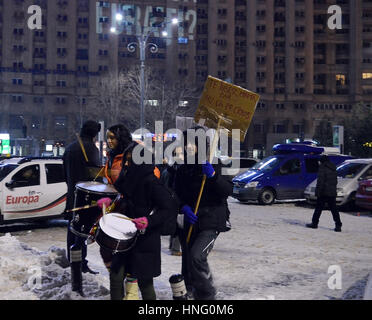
column 326, row 192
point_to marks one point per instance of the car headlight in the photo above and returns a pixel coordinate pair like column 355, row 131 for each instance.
column 252, row 184
column 340, row 192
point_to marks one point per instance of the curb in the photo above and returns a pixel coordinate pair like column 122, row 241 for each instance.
column 368, row 289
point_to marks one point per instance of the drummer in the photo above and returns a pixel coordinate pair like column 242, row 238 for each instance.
column 118, row 137
column 141, row 191
column 79, row 160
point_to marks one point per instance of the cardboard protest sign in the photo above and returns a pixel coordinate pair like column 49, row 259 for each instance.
column 234, row 104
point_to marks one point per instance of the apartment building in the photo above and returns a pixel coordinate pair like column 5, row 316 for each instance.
column 49, row 75
column 282, row 49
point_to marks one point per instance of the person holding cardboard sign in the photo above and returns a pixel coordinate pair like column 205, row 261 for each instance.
column 211, row 218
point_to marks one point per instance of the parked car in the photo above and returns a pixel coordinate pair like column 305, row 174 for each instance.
column 282, row 176
column 31, row 188
column 363, row 197
column 236, row 166
column 348, row 176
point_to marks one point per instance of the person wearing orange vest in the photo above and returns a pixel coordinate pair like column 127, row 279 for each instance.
column 118, row 140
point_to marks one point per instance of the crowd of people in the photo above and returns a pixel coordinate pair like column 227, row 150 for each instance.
column 149, row 196
column 157, row 198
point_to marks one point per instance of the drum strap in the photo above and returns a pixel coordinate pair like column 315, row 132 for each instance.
column 82, row 147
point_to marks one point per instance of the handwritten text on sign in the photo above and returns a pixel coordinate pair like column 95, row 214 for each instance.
column 234, row 104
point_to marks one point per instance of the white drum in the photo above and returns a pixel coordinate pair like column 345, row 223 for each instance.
column 116, row 233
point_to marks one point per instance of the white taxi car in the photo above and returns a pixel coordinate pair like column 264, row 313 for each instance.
column 31, row 188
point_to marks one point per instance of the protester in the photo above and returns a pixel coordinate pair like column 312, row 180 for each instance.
column 118, row 138
column 80, row 162
column 326, row 192
column 168, row 176
column 145, row 200
column 211, row 219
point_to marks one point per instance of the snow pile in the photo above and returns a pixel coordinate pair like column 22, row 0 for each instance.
column 27, row 273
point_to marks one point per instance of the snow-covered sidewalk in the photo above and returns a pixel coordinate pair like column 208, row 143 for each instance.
column 268, row 254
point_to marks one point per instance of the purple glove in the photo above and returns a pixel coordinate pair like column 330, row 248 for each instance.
column 106, row 201
column 141, row 223
column 208, row 170
column 189, row 215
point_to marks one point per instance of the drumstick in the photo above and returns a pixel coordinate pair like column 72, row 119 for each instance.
column 126, row 218
column 82, row 208
column 103, row 208
column 98, row 173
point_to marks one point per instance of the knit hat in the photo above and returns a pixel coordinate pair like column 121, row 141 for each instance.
column 90, row 129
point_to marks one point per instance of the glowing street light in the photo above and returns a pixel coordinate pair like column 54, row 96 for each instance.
column 119, row 17
column 142, row 43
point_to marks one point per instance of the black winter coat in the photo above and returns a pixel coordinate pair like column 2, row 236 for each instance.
column 76, row 168
column 142, row 192
column 326, row 185
column 213, row 210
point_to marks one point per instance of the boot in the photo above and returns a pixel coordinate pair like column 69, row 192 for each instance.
column 312, row 226
column 131, row 289
column 338, row 229
column 86, row 269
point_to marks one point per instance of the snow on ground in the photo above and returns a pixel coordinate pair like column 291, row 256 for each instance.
column 28, row 273
column 268, row 254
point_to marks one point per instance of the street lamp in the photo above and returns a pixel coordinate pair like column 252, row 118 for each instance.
column 142, row 43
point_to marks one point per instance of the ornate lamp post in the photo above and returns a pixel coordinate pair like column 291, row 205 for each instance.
column 142, row 43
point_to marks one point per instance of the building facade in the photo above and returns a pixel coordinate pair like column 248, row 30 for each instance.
column 282, row 49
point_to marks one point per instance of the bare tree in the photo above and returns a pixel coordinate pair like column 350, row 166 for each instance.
column 177, row 99
column 110, row 97
column 164, row 99
column 118, row 96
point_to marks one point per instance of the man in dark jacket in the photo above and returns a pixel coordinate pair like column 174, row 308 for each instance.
column 326, row 192
column 211, row 219
column 78, row 169
column 147, row 202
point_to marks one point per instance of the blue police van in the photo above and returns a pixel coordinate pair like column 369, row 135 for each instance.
column 283, row 176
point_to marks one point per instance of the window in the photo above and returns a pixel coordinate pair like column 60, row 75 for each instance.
column 183, row 103
column 340, row 79
column 292, row 166
column 367, row 175
column 60, row 122
column 153, row 103
column 61, row 83
column 350, row 170
column 54, row 173
column 5, row 169
column 27, row 177
column 367, row 75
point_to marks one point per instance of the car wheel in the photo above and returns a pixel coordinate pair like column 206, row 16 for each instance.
column 266, row 197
